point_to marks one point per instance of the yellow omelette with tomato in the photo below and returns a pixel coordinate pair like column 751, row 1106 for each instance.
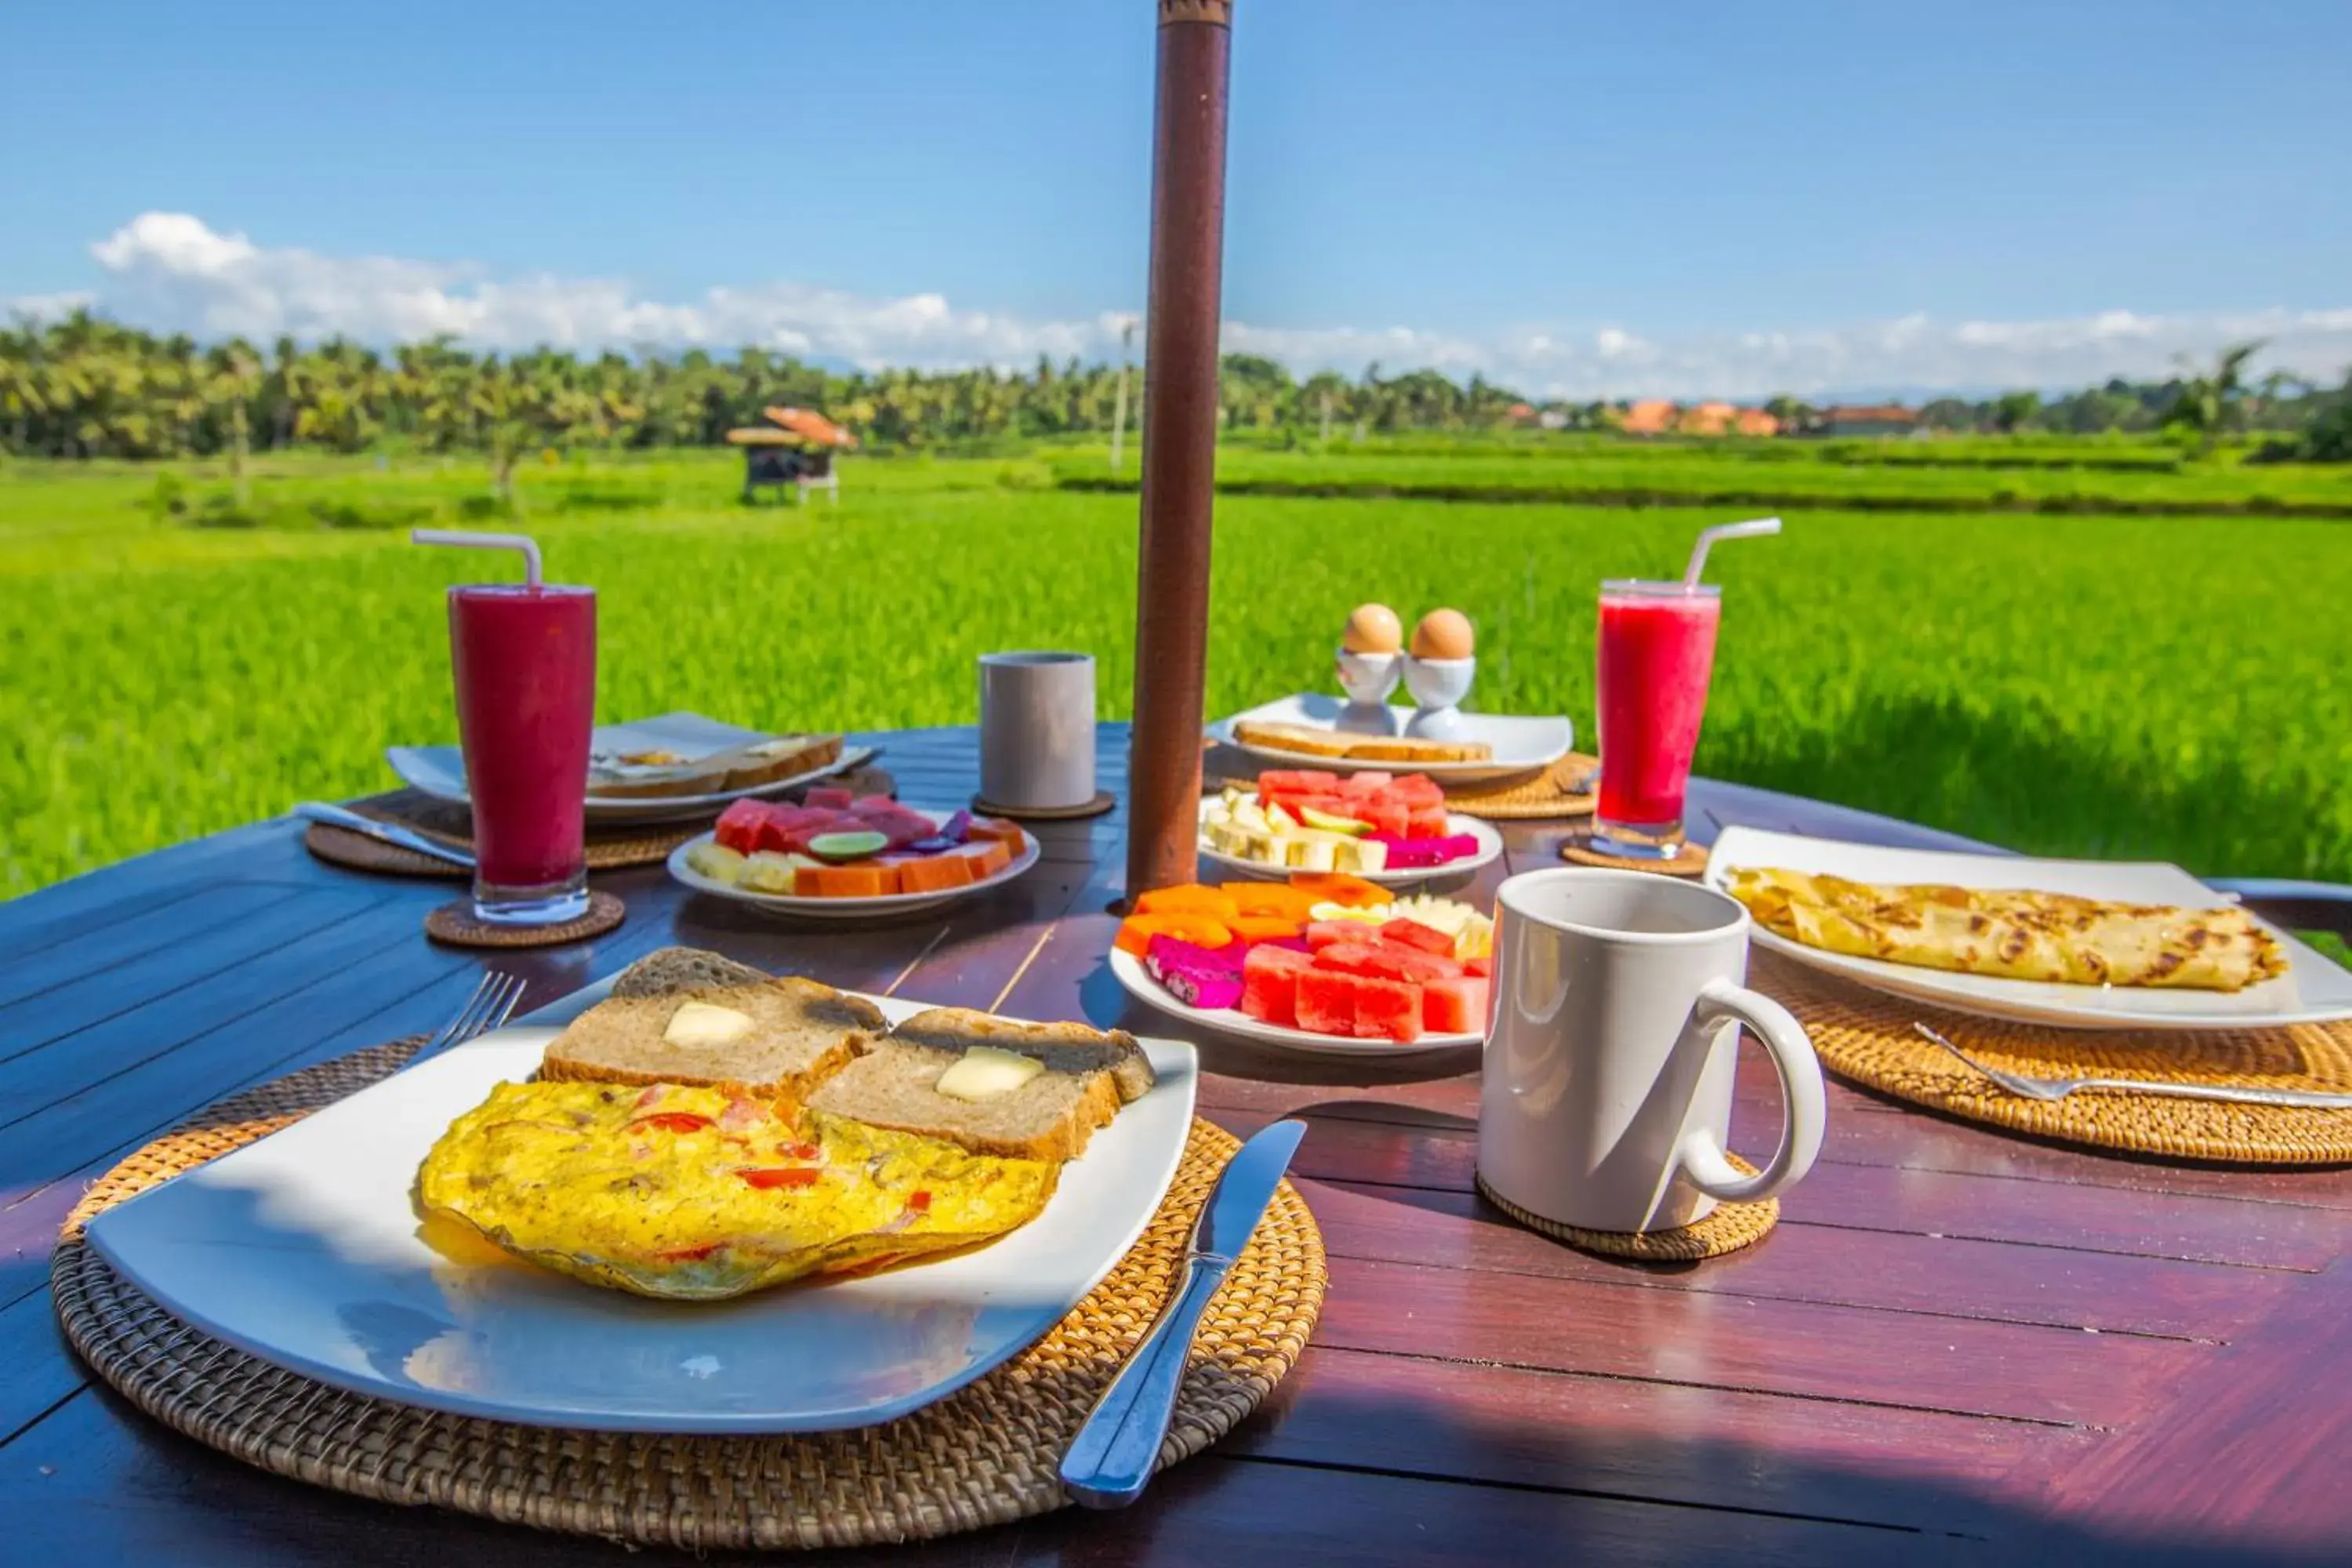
column 697, row 1195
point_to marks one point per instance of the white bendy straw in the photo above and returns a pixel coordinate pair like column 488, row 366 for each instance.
column 530, row 546
column 1755, row 528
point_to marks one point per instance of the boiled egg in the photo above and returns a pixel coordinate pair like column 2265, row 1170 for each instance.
column 1373, row 628
column 1442, row 634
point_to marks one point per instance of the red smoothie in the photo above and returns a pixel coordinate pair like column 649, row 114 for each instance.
column 1657, row 650
column 525, row 662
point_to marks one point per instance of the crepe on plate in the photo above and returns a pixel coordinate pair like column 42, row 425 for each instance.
column 697, row 1195
column 2014, row 933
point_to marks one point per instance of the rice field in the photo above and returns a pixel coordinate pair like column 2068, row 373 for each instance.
column 2096, row 685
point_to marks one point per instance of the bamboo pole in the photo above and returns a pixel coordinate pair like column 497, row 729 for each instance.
column 1179, row 443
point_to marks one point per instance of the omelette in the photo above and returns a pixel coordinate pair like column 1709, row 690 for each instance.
column 697, row 1195
column 2016, row 935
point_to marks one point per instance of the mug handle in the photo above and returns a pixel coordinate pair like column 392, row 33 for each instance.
column 1701, row 1155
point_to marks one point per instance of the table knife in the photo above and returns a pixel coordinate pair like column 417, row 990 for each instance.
column 1111, row 1461
column 388, row 832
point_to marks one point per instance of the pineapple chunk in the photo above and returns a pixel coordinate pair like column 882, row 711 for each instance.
column 1370, row 855
column 715, row 861
column 766, row 872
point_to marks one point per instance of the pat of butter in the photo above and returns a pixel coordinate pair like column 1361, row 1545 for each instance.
column 984, row 1072
column 700, row 1024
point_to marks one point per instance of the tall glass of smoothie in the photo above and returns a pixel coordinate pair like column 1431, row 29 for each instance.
column 1657, row 653
column 524, row 656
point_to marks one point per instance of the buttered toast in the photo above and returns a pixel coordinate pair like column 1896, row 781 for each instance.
column 779, row 1038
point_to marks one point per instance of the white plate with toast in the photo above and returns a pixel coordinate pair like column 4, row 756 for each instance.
column 831, row 908
column 1514, row 743
column 440, row 771
column 1129, row 971
column 304, row 1249
column 2313, row 990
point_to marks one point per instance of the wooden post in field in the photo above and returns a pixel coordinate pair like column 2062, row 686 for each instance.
column 1179, row 443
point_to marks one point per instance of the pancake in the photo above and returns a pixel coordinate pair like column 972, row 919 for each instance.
column 2014, row 933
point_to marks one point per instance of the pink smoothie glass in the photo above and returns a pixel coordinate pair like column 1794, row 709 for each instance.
column 1657, row 655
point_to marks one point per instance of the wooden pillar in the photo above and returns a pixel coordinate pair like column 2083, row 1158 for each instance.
column 1179, row 443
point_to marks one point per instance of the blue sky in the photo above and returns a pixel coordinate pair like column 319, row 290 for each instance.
column 1639, row 198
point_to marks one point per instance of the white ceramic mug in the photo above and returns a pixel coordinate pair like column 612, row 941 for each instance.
column 1606, row 1091
column 1037, row 730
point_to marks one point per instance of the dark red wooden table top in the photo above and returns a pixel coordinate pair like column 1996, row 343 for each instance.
column 1957, row 1343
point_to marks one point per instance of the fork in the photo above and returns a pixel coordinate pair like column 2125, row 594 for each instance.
column 491, row 1005
column 2059, row 1088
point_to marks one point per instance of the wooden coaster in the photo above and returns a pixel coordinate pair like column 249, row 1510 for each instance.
column 453, row 924
column 1867, row 1037
column 1689, row 861
column 985, row 1455
column 1727, row 1229
column 1102, row 801
column 1569, row 787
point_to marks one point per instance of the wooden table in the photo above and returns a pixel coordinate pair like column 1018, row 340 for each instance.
column 1958, row 1344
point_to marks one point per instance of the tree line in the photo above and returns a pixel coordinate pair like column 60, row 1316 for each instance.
column 83, row 385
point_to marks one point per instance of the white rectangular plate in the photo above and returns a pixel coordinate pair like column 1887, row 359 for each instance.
column 1129, row 971
column 440, row 771
column 302, row 1250
column 2311, row 991
column 1521, row 744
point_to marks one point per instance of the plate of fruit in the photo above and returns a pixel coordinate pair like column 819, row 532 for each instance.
column 1389, row 829
column 840, row 856
column 1324, row 963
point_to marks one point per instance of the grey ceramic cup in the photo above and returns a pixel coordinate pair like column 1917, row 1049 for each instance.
column 1606, row 1087
column 1037, row 730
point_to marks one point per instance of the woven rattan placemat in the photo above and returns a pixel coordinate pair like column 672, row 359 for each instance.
column 1726, row 1229
column 1865, row 1036
column 985, row 1455
column 1569, row 787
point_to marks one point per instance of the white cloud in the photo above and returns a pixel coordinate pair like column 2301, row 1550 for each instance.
column 172, row 271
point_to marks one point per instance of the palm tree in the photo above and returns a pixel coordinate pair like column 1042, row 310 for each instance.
column 2208, row 403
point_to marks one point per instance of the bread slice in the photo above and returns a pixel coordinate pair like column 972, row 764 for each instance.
column 773, row 757
column 1088, row 1075
column 1414, row 749
column 669, row 969
column 1303, row 739
column 802, row 1033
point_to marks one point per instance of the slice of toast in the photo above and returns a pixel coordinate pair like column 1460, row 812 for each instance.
column 669, row 969
column 1088, row 1075
column 1414, row 749
column 773, row 757
column 1303, row 739
column 802, row 1033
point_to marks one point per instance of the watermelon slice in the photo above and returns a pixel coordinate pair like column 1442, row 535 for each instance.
column 1387, row 1010
column 1321, row 934
column 1371, row 780
column 1483, row 967
column 1456, row 1007
column 1425, row 821
column 1419, row 790
column 1270, row 982
column 1327, row 1001
column 1354, row 957
column 1412, row 934
column 1297, row 780
column 829, row 799
column 740, row 825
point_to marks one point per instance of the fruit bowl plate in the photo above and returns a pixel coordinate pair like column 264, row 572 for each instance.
column 1490, row 847
column 836, row 909
column 1129, row 971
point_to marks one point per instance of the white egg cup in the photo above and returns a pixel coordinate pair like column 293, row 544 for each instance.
column 1438, row 687
column 1366, row 679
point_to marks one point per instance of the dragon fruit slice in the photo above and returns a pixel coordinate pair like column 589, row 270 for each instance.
column 1194, row 975
column 1419, row 854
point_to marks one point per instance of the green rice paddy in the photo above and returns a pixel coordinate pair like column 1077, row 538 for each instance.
column 2100, row 685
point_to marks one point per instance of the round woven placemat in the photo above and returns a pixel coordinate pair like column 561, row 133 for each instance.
column 986, row 1455
column 1102, row 801
column 1689, row 861
column 453, row 924
column 1867, row 1038
column 1569, row 787
column 1728, row 1228
column 645, row 846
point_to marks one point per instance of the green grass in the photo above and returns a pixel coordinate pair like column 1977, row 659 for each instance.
column 2166, row 687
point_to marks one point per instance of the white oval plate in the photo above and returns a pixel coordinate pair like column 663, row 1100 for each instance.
column 1490, row 845
column 850, row 908
column 440, row 771
column 1521, row 742
column 2314, row 990
column 302, row 1248
column 1130, row 972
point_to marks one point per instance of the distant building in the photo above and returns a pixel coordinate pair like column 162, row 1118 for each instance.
column 1553, row 419
column 1649, row 417
column 1726, row 419
column 1866, row 419
column 1520, row 414
column 1755, row 422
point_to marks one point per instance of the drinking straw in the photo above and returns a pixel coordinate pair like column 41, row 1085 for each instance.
column 522, row 541
column 1755, row 528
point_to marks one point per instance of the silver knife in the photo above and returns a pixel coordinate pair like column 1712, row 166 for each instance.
column 1110, row 1460
column 388, row 832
